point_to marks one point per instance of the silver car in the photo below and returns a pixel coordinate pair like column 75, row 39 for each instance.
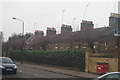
column 110, row 76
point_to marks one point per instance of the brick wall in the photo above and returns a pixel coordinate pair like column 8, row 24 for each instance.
column 92, row 61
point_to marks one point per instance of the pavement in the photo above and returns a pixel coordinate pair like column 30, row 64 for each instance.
column 60, row 70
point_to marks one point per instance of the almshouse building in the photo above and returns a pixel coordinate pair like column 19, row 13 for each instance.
column 100, row 40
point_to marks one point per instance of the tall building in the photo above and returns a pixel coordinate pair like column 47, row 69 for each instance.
column 86, row 25
column 114, row 20
column 1, row 37
column 114, row 23
column 86, row 29
column 50, row 31
column 66, row 29
column 39, row 33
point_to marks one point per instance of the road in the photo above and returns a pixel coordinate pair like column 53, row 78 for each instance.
column 29, row 72
column 32, row 73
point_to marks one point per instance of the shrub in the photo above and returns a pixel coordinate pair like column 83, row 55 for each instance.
column 66, row 58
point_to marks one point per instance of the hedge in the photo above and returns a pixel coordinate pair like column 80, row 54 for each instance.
column 67, row 58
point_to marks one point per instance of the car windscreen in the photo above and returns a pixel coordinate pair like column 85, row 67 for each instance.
column 6, row 60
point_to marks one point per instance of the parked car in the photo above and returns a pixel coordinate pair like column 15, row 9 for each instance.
column 110, row 76
column 7, row 65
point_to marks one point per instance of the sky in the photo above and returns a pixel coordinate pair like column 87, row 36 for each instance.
column 38, row 15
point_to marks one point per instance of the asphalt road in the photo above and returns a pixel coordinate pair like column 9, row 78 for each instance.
column 29, row 72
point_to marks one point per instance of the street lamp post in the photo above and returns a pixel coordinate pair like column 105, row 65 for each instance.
column 22, row 36
column 63, row 15
column 73, row 22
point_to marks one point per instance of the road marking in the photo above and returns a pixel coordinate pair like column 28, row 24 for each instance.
column 20, row 71
column 29, row 73
column 36, row 75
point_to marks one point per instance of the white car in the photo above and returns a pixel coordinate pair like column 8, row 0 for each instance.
column 110, row 76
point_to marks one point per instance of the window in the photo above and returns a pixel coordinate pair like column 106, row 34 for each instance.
column 111, row 77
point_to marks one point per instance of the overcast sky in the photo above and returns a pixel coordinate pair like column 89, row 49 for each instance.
column 40, row 15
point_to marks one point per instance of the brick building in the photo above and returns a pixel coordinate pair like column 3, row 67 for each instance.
column 114, row 19
column 87, row 25
column 50, row 31
column 66, row 29
column 39, row 33
column 101, row 40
